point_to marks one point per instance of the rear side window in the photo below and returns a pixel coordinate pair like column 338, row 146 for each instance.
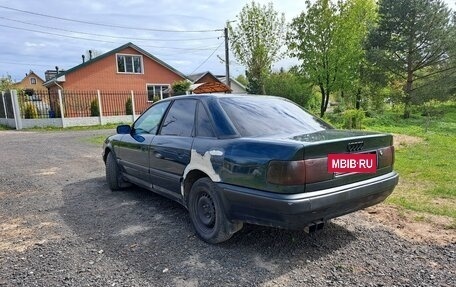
column 203, row 123
column 180, row 119
column 267, row 116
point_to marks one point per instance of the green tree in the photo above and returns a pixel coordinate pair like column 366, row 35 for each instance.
column 328, row 39
column 242, row 79
column 291, row 86
column 357, row 17
column 412, row 40
column 256, row 42
column 180, row 87
column 6, row 83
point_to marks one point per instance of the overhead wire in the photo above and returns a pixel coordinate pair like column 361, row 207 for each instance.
column 103, row 41
column 108, row 25
column 207, row 59
column 108, row 36
column 24, row 64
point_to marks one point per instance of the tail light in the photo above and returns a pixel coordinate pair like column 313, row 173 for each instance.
column 298, row 172
column 386, row 157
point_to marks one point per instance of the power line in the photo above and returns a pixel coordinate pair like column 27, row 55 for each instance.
column 108, row 36
column 207, row 59
column 23, row 64
column 103, row 41
column 109, row 25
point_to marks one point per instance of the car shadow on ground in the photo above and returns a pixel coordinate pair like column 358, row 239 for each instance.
column 154, row 236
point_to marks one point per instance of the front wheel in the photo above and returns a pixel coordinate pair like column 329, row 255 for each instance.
column 207, row 214
column 113, row 176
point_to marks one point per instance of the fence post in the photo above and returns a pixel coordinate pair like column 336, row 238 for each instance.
column 4, row 105
column 99, row 107
column 133, row 105
column 16, row 110
column 62, row 114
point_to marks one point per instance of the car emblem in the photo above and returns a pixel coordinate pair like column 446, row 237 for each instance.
column 355, row 146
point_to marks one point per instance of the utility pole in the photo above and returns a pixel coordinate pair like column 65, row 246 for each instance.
column 227, row 57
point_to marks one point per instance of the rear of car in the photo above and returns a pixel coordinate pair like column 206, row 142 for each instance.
column 292, row 187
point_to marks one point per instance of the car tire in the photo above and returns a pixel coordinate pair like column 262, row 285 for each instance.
column 113, row 176
column 207, row 213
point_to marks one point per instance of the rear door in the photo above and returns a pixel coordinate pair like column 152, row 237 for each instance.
column 171, row 147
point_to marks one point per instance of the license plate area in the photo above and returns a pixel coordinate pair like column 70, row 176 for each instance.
column 352, row 163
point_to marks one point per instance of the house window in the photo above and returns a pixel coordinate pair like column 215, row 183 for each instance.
column 33, row 81
column 129, row 64
column 160, row 91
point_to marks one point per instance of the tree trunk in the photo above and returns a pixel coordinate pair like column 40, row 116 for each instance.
column 409, row 83
column 323, row 96
column 358, row 99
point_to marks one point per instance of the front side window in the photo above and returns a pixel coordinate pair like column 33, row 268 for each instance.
column 149, row 121
column 33, row 81
column 129, row 64
column 157, row 92
column 180, row 119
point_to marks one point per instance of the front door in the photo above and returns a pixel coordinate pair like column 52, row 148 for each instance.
column 133, row 151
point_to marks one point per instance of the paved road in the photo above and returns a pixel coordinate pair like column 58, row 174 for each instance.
column 61, row 226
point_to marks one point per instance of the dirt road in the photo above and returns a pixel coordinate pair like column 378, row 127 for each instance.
column 61, row 226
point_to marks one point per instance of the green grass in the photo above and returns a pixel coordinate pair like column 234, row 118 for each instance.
column 78, row 128
column 427, row 169
column 4, row 128
column 95, row 140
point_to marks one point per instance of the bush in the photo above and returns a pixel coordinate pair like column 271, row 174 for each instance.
column 180, row 87
column 94, row 109
column 353, row 119
column 129, row 107
column 30, row 111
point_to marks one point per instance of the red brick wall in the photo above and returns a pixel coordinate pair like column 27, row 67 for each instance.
column 102, row 75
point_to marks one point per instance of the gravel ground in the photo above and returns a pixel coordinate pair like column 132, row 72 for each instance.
column 60, row 225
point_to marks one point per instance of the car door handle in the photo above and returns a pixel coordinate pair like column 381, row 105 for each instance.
column 158, row 155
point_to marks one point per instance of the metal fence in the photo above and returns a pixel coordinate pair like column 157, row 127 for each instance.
column 46, row 104
column 6, row 105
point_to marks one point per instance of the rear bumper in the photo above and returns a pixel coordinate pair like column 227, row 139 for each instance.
column 295, row 211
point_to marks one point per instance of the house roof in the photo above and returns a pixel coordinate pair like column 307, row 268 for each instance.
column 196, row 77
column 223, row 80
column 31, row 73
column 102, row 56
column 211, row 87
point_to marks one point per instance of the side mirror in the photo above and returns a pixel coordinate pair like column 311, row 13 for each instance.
column 123, row 129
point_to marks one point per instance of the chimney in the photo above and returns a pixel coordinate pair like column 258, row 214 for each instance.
column 90, row 55
column 56, row 69
column 83, row 58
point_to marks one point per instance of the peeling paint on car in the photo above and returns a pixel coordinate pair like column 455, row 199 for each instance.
column 202, row 163
column 216, row 152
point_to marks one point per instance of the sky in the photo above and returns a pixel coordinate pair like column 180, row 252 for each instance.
column 156, row 26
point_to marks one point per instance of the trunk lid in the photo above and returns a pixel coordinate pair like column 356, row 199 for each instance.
column 319, row 144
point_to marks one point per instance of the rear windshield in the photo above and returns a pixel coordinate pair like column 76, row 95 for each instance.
column 266, row 116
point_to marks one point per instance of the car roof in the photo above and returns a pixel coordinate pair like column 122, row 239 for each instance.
column 218, row 96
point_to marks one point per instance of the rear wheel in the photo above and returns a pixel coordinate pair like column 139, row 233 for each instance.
column 113, row 176
column 207, row 214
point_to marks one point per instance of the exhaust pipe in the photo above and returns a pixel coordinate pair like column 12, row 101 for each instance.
column 314, row 226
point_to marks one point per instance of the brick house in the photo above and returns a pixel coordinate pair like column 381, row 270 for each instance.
column 125, row 68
